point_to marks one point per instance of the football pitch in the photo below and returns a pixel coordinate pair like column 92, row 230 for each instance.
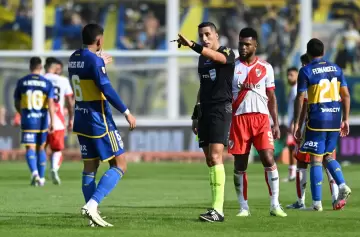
column 165, row 199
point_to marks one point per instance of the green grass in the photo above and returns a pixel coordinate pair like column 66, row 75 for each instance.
column 163, row 199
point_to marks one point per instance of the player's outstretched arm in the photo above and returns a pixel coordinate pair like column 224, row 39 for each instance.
column 206, row 52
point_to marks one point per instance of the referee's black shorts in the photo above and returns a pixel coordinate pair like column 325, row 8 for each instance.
column 214, row 123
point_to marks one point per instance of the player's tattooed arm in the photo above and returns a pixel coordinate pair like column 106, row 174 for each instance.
column 345, row 100
column 298, row 106
column 17, row 106
column 303, row 113
column 273, row 110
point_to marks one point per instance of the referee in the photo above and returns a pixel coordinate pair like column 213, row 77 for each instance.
column 213, row 109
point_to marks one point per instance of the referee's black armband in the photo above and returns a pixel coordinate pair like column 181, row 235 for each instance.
column 195, row 114
column 197, row 47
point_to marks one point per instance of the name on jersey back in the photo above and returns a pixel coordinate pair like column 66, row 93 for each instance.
column 76, row 64
column 34, row 83
column 319, row 70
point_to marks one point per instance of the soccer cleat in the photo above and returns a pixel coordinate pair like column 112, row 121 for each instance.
column 314, row 208
column 35, row 181
column 277, row 211
column 94, row 216
column 344, row 193
column 211, row 216
column 296, row 205
column 55, row 177
column 92, row 224
column 340, row 206
column 243, row 213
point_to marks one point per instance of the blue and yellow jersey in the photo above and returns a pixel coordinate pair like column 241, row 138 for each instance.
column 93, row 117
column 33, row 92
column 322, row 81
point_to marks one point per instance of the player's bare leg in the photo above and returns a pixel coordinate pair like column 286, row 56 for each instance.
column 41, row 163
column 300, row 181
column 241, row 183
column 334, row 169
column 31, row 159
column 316, row 179
column 272, row 181
column 214, row 160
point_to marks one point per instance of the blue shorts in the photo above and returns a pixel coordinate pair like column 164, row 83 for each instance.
column 319, row 143
column 104, row 148
column 33, row 138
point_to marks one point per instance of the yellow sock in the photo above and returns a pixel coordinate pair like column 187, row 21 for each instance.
column 218, row 185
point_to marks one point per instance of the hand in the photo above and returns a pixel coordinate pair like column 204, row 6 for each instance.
column 344, row 129
column 194, row 126
column 131, row 120
column 297, row 133
column 276, row 132
column 184, row 41
column 106, row 57
column 70, row 126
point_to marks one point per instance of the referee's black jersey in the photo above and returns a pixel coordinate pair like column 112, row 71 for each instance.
column 216, row 78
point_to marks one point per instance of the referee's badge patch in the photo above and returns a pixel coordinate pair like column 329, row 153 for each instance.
column 103, row 70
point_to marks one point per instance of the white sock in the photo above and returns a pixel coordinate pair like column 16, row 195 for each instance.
column 35, row 173
column 56, row 160
column 272, row 181
column 92, row 204
column 317, row 203
column 301, row 176
column 240, row 182
column 334, row 189
column 292, row 171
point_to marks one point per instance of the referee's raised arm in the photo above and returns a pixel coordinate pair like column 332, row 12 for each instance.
column 209, row 46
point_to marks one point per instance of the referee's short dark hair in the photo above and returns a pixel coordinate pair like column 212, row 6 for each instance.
column 90, row 32
column 304, row 59
column 248, row 32
column 208, row 24
column 315, row 48
column 35, row 62
column 291, row 69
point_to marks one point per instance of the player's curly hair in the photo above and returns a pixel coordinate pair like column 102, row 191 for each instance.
column 248, row 32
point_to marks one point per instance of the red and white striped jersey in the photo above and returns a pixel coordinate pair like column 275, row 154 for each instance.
column 249, row 87
column 62, row 88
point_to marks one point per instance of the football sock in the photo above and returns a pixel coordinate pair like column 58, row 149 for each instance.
column 292, row 171
column 88, row 185
column 335, row 170
column 106, row 184
column 272, row 181
column 31, row 161
column 241, row 183
column 56, row 160
column 334, row 189
column 41, row 163
column 316, row 177
column 301, row 184
column 217, row 186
